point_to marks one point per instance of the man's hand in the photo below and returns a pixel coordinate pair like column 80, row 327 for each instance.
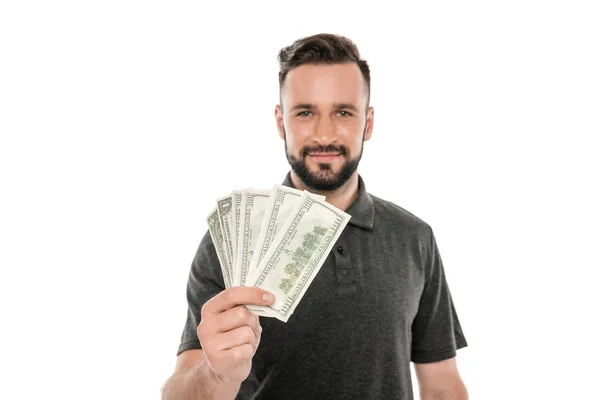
column 229, row 333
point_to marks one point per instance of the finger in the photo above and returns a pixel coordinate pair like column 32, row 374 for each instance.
column 236, row 317
column 235, row 296
column 239, row 354
column 257, row 341
column 237, row 337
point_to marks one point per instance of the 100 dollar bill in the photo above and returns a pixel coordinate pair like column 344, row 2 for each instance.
column 236, row 205
column 252, row 210
column 296, row 254
column 224, row 209
column 282, row 201
column 214, row 228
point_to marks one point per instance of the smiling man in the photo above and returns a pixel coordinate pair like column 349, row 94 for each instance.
column 380, row 301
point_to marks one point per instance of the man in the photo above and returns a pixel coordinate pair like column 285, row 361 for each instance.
column 380, row 299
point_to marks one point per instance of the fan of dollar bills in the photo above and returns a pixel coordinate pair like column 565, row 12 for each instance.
column 276, row 239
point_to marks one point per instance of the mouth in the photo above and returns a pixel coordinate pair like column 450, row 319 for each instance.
column 324, row 157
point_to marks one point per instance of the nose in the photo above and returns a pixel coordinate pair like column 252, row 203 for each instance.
column 325, row 132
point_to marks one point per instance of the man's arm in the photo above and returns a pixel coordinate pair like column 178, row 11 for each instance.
column 440, row 381
column 194, row 380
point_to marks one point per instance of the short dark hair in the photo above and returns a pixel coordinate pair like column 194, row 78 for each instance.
column 323, row 48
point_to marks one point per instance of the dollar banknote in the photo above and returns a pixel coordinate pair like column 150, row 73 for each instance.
column 214, row 228
column 296, row 254
column 236, row 205
column 253, row 205
column 224, row 209
column 282, row 201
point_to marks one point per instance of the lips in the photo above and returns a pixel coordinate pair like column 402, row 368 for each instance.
column 324, row 157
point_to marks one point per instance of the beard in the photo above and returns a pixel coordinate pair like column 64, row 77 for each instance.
column 325, row 179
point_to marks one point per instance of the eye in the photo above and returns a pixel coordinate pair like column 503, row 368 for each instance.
column 303, row 114
column 345, row 113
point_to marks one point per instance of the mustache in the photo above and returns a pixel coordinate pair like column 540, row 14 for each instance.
column 330, row 148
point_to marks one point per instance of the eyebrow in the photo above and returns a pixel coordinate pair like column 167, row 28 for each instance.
column 339, row 106
column 303, row 106
column 336, row 106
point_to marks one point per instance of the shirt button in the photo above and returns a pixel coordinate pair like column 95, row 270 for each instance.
column 340, row 250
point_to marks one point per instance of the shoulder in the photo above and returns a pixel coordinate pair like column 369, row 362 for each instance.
column 391, row 216
column 206, row 269
column 206, row 255
column 206, row 242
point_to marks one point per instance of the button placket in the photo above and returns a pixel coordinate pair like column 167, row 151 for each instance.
column 343, row 268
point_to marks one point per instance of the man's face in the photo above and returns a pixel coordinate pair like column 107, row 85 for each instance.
column 323, row 119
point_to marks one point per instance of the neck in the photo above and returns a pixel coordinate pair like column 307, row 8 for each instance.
column 341, row 198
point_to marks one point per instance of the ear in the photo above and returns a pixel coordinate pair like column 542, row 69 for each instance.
column 369, row 125
column 279, row 120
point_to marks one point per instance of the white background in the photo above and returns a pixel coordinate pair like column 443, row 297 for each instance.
column 122, row 121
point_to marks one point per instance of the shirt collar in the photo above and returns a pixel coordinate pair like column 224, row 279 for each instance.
column 362, row 211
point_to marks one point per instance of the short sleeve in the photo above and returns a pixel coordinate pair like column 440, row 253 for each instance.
column 205, row 280
column 436, row 330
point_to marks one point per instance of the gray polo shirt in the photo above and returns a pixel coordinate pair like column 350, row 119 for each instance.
column 379, row 302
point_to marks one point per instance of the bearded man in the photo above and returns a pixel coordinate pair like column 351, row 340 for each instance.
column 380, row 300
